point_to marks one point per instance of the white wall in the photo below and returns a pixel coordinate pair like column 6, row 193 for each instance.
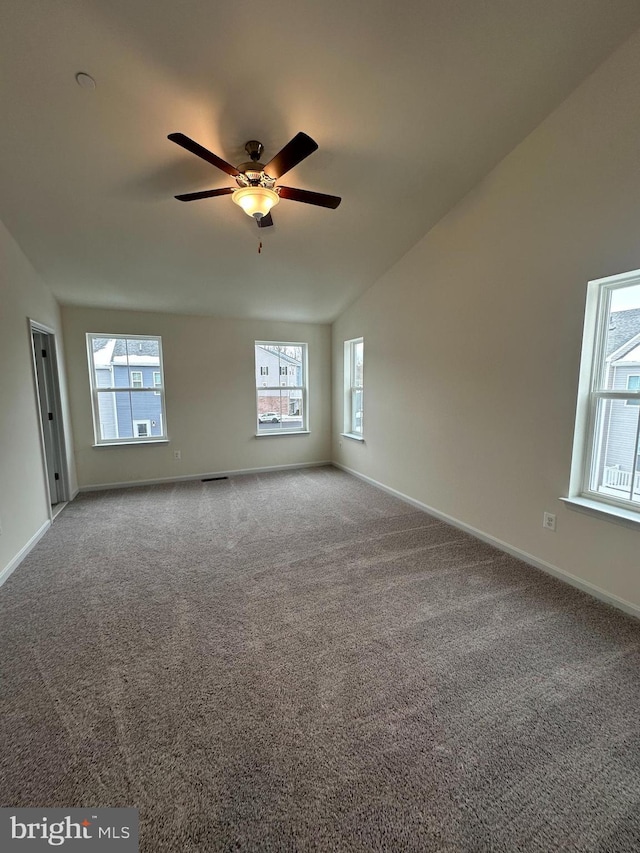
column 24, row 507
column 472, row 340
column 210, row 397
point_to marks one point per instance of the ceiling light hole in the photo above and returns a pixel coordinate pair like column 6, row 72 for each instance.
column 85, row 81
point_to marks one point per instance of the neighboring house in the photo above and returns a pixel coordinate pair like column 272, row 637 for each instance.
column 620, row 422
column 124, row 414
column 277, row 367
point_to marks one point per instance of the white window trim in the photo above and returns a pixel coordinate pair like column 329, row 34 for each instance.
column 581, row 496
column 133, row 381
column 304, row 389
column 163, row 438
column 350, row 389
column 136, row 423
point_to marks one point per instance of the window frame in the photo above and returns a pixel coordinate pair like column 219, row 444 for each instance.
column 158, row 390
column 303, row 388
column 352, row 389
column 591, row 392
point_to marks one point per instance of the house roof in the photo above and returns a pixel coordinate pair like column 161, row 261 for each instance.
column 107, row 351
column 630, row 358
column 624, row 327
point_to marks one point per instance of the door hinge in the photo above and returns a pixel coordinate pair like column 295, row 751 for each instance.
column 50, row 416
column 56, row 476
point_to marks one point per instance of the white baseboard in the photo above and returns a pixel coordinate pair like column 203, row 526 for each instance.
column 22, row 553
column 100, row 487
column 567, row 577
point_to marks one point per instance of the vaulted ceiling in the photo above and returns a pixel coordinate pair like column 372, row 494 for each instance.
column 411, row 103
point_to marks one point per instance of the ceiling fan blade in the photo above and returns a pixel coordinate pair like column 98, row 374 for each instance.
column 265, row 221
column 293, row 153
column 204, row 194
column 199, row 151
column 321, row 199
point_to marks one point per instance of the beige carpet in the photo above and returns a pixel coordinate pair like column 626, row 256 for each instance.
column 299, row 662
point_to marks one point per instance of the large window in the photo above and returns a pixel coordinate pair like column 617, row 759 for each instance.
column 127, row 388
column 354, row 388
column 281, row 387
column 606, row 465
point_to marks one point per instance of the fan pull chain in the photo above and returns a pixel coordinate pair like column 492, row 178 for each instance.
column 260, row 248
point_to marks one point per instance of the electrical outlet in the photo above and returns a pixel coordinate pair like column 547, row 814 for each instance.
column 177, row 454
column 549, row 521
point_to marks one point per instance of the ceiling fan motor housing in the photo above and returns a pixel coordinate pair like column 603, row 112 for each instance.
column 252, row 173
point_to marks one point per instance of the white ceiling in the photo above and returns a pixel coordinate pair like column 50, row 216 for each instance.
column 411, row 103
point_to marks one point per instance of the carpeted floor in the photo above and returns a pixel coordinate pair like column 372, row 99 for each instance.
column 299, row 662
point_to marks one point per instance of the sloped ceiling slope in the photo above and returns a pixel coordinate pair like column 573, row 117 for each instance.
column 411, row 104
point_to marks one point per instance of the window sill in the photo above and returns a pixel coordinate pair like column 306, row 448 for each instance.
column 352, row 435
column 271, row 434
column 617, row 514
column 132, row 442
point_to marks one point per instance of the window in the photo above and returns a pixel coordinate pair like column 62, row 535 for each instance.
column 142, row 429
column 354, row 387
column 127, row 388
column 606, row 463
column 633, row 384
column 281, row 408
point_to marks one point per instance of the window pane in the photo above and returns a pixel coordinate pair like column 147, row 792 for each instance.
column 615, row 469
column 130, row 414
column 292, row 402
column 622, row 350
column 357, row 407
column 280, row 409
column 358, row 354
column 124, row 362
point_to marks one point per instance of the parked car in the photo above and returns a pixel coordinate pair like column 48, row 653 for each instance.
column 269, row 418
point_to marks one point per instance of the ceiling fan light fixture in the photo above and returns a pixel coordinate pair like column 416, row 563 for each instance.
column 256, row 201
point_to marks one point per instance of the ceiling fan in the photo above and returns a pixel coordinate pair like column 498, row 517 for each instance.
column 257, row 191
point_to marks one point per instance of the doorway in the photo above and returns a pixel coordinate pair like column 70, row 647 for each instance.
column 45, row 364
